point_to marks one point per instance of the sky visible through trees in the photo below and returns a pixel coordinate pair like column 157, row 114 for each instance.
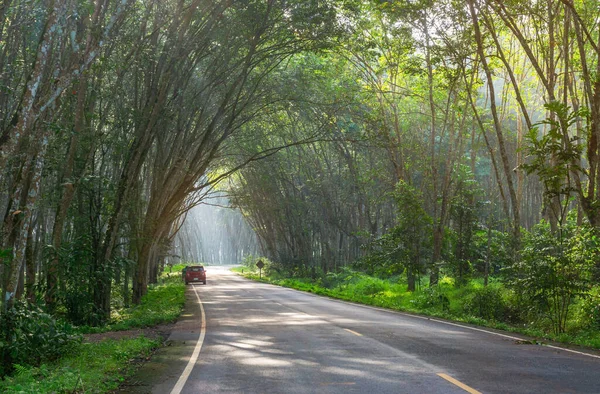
column 416, row 140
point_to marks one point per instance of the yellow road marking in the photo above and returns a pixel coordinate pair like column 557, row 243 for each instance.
column 459, row 384
column 353, row 332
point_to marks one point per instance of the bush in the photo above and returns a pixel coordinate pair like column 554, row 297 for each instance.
column 486, row 303
column 432, row 298
column 555, row 270
column 91, row 368
column 249, row 261
column 370, row 286
column 30, row 336
column 590, row 309
column 270, row 268
column 344, row 276
column 162, row 304
column 515, row 311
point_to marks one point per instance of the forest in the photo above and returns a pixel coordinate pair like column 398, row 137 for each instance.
column 417, row 141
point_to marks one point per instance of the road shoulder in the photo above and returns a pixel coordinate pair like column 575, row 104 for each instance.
column 161, row 372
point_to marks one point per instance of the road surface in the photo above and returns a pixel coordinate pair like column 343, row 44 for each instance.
column 260, row 338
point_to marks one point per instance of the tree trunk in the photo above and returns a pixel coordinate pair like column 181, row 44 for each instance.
column 498, row 128
column 140, row 279
column 27, row 115
column 410, row 277
column 30, row 267
column 488, row 254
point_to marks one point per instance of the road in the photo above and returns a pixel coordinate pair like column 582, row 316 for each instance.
column 260, row 338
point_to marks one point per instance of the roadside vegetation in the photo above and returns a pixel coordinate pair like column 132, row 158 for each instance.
column 44, row 354
column 440, row 156
column 496, row 305
column 462, row 176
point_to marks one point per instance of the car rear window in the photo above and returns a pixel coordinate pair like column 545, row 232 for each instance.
column 197, row 269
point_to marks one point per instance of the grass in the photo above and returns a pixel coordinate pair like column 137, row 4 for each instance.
column 163, row 304
column 101, row 367
column 90, row 368
column 471, row 303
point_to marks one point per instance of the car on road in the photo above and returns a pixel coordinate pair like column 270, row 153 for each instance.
column 195, row 273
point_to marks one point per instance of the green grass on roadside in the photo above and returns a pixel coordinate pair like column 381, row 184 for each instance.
column 163, row 304
column 446, row 301
column 90, row 368
column 101, row 367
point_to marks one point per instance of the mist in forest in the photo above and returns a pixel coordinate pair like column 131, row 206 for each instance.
column 214, row 233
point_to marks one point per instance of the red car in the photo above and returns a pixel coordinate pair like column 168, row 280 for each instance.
column 195, row 273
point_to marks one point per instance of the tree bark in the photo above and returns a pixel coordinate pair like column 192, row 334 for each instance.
column 516, row 222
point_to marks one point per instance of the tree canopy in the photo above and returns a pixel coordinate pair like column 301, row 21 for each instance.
column 415, row 138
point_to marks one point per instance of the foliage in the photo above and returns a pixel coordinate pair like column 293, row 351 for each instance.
column 486, row 303
column 555, row 154
column 464, row 215
column 431, row 298
column 370, row 286
column 250, row 261
column 343, row 276
column 555, row 158
column 554, row 271
column 590, row 310
column 75, row 299
column 270, row 268
column 351, row 133
column 90, row 368
column 406, row 246
column 162, row 304
column 29, row 336
column 71, row 366
column 498, row 245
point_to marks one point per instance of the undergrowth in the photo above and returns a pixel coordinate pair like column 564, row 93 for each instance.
column 100, row 367
column 163, row 304
column 89, row 368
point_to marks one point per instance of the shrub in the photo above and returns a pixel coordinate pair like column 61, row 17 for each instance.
column 30, row 336
column 91, row 368
column 555, row 270
column 486, row 303
column 590, row 309
column 343, row 276
column 431, row 298
column 514, row 307
column 270, row 268
column 370, row 286
column 249, row 261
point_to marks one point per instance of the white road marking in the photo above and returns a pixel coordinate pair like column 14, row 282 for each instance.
column 502, row 335
column 192, row 361
column 433, row 319
column 572, row 351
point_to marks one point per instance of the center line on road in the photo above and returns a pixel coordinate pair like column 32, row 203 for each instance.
column 353, row 332
column 457, row 383
column 192, row 361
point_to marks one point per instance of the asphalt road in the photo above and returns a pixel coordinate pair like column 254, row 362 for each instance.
column 261, row 338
